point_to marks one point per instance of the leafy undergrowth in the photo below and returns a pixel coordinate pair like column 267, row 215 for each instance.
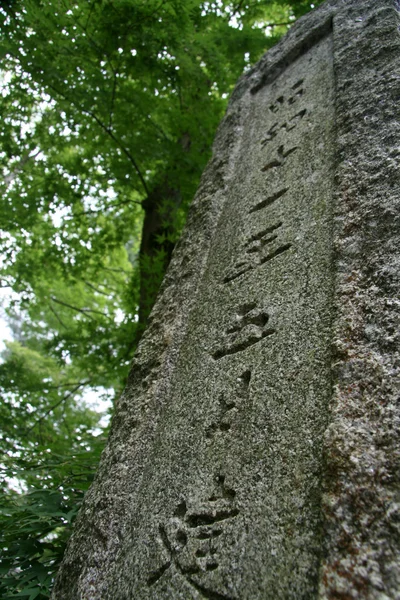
column 35, row 526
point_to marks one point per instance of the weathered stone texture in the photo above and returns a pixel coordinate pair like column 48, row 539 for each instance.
column 362, row 496
column 255, row 451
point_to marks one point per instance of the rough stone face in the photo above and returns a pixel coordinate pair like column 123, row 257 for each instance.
column 361, row 502
column 255, row 451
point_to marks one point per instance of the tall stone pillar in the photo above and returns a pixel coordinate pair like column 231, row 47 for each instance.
column 255, row 452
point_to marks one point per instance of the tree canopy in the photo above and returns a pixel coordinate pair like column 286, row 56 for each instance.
column 109, row 109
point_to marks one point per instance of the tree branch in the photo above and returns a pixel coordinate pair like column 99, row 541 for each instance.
column 57, row 317
column 84, row 28
column 26, row 158
column 61, row 385
column 100, row 123
column 89, row 16
column 90, row 285
column 120, row 145
column 63, row 399
column 84, row 311
column 114, row 90
column 237, row 8
column 95, row 211
column 278, row 24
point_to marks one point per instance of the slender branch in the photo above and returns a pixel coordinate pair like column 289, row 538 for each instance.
column 56, row 405
column 113, row 93
column 95, row 211
column 155, row 125
column 90, row 285
column 122, row 202
column 26, row 158
column 120, row 145
column 57, row 317
column 116, row 270
column 84, row 311
column 89, row 211
column 61, row 385
column 237, row 9
column 39, row 466
column 63, row 461
column 89, row 16
column 74, row 476
column 111, row 135
column 278, row 24
column 84, row 29
column 100, row 123
column 112, row 274
column 66, row 424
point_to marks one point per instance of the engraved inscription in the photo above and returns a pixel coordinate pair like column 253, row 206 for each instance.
column 286, row 126
column 228, row 408
column 249, row 327
column 191, row 538
column 298, row 84
column 280, row 158
column 257, row 250
column 229, row 504
column 277, row 104
column 223, row 423
column 295, row 95
column 263, row 246
column 268, row 201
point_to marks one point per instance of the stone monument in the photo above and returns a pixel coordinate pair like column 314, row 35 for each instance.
column 255, row 452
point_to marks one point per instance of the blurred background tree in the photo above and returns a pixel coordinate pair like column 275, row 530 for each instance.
column 108, row 112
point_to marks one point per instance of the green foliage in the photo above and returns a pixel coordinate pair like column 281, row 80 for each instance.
column 109, row 108
column 50, row 446
column 35, row 526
